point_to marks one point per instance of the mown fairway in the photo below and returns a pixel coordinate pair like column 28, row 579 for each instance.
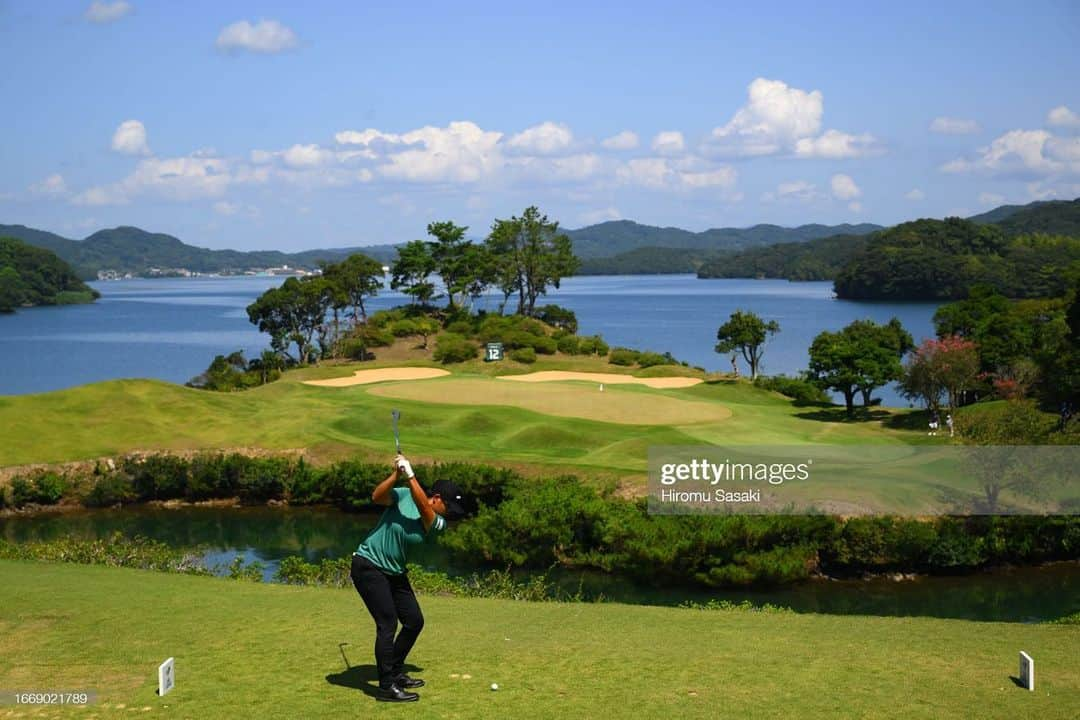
column 448, row 418
column 244, row 650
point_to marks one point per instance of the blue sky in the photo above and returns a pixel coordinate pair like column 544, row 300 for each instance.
column 300, row 125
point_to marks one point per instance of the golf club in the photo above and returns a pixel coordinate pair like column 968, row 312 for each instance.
column 395, row 414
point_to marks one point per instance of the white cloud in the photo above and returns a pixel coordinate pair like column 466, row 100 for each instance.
column 179, row 178
column 844, row 188
column 724, row 177
column 52, row 185
column 1022, row 152
column 794, row 190
column 593, row 217
column 265, row 36
column 130, row 138
column 774, row 117
column 546, row 138
column 306, row 156
column 953, row 126
column 778, row 119
column 669, row 142
column 835, row 144
column 460, row 152
column 915, row 194
column 625, row 140
column 1062, row 116
column 663, row 173
column 989, row 198
column 647, row 172
column 107, row 12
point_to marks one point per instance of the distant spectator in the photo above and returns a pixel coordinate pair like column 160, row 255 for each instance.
column 949, row 424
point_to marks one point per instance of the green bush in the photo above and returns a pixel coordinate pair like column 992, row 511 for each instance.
column 460, row 327
column 404, row 328
column 592, row 345
column 523, row 355
column 796, row 388
column 109, row 490
column 569, row 344
column 116, row 551
column 623, row 356
column 558, row 317
column 384, row 318
column 355, row 349
column 44, row 488
column 650, row 359
column 452, row 348
column 544, row 345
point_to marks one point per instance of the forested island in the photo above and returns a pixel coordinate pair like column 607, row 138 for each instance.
column 32, row 276
column 1019, row 251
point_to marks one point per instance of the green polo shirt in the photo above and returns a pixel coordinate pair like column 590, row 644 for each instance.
column 399, row 527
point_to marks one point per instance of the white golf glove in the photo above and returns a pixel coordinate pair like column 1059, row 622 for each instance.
column 404, row 467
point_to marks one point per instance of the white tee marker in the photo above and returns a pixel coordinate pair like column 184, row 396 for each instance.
column 1027, row 671
column 166, row 677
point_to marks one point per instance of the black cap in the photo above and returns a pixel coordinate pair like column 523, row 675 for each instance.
column 452, row 497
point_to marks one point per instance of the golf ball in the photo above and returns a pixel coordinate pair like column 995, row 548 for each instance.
column 494, row 686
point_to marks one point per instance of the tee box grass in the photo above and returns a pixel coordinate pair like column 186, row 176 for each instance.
column 246, row 650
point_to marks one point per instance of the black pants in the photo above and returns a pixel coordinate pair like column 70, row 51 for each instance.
column 389, row 598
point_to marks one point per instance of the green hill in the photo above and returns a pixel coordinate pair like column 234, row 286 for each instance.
column 35, row 276
column 941, row 259
column 129, row 249
column 817, row 259
column 611, row 239
column 1058, row 217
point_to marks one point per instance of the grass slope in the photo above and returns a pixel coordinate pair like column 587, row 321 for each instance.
column 249, row 650
column 120, row 416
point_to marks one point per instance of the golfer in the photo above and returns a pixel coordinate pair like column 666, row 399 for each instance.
column 378, row 570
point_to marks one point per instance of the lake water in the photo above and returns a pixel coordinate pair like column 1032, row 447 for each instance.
column 171, row 328
column 270, row 534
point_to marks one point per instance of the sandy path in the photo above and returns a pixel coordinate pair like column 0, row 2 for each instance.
column 609, row 378
column 363, row 377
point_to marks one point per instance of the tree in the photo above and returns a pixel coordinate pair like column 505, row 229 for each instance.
column 529, row 255
column 411, row 271
column 949, row 367
column 425, row 328
column 275, row 312
column 746, row 333
column 11, row 289
column 860, row 358
column 267, row 364
column 358, row 277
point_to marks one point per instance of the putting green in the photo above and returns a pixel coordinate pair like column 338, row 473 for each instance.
column 562, row 399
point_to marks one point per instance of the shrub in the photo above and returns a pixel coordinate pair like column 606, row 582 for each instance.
column 559, row 317
column 523, row 355
column 592, row 345
column 109, row 490
column 355, row 349
column 650, row 359
column 404, row 328
column 44, row 488
column 569, row 344
column 623, row 356
column 460, row 327
column 796, row 388
column 383, row 318
column 452, row 348
column 544, row 345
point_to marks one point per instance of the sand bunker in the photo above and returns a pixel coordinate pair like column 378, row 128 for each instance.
column 606, row 378
column 364, row 377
